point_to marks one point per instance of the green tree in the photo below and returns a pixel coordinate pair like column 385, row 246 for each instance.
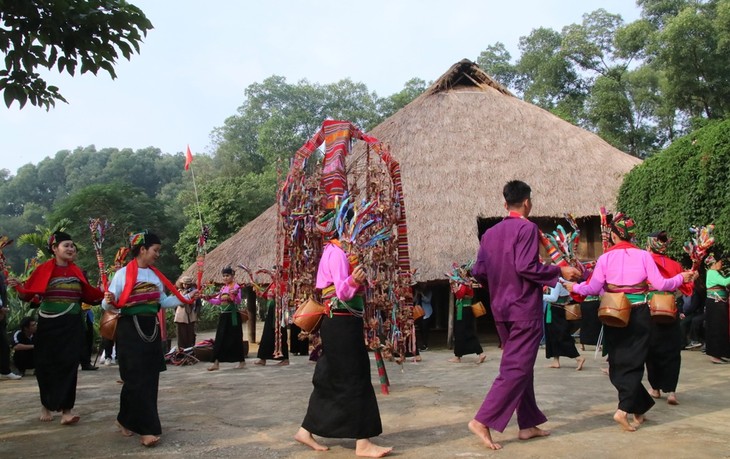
column 38, row 239
column 62, row 35
column 412, row 89
column 692, row 48
column 495, row 60
column 129, row 209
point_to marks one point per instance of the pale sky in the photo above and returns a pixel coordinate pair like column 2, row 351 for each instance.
column 196, row 63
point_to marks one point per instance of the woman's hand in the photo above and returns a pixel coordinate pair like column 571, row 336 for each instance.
column 13, row 282
column 109, row 297
column 689, row 276
column 569, row 286
column 358, row 275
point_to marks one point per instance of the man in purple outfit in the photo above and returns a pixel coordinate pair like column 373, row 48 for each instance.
column 509, row 265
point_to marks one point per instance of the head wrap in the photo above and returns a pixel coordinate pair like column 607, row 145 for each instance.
column 624, row 226
column 187, row 280
column 56, row 238
column 658, row 242
column 144, row 238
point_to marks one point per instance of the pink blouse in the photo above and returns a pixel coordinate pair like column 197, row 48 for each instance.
column 626, row 267
column 334, row 268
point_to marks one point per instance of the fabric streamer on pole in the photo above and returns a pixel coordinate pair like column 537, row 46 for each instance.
column 382, row 373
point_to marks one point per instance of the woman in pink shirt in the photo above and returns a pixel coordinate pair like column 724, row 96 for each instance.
column 228, row 344
column 626, row 268
column 343, row 403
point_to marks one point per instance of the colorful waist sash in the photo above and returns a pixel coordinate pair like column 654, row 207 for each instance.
column 462, row 303
column 144, row 308
column 718, row 293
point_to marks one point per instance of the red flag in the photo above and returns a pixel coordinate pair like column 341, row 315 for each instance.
column 188, row 158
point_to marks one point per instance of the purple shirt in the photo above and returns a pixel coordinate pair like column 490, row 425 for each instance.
column 509, row 265
column 334, row 268
column 626, row 267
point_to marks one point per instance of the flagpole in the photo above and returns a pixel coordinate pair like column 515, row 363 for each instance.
column 197, row 202
column 189, row 163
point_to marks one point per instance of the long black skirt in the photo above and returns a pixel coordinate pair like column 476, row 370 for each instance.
column 298, row 346
column 717, row 335
column 466, row 340
column 343, row 403
column 228, row 345
column 268, row 338
column 627, row 351
column 590, row 326
column 140, row 363
column 57, row 350
column 665, row 356
column 558, row 340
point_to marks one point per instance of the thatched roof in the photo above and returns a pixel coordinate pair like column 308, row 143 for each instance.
column 458, row 144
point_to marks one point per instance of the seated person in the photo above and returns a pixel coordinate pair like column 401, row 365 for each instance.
column 23, row 343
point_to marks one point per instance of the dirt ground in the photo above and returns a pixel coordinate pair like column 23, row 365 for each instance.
column 254, row 412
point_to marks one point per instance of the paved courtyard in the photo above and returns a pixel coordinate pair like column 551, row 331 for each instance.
column 253, row 413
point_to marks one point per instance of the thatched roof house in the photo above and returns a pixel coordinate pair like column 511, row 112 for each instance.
column 458, row 144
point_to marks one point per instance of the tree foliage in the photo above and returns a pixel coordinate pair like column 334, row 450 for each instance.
column 637, row 85
column 130, row 209
column 88, row 34
column 685, row 185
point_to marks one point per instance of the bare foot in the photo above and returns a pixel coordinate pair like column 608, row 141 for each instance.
column 283, row 363
column 672, row 399
column 482, row 431
column 213, row 367
column 481, row 358
column 304, row 437
column 365, row 448
column 68, row 418
column 455, row 359
column 124, row 431
column 149, row 440
column 532, row 432
column 604, row 371
column 260, row 362
column 46, row 416
column 240, row 366
column 655, row 393
column 581, row 361
column 639, row 419
column 622, row 418
column 554, row 365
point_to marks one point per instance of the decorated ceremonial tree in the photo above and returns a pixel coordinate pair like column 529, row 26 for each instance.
column 362, row 200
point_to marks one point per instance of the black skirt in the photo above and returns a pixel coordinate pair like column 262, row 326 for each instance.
column 717, row 335
column 57, row 353
column 298, row 346
column 140, row 363
column 558, row 340
column 266, row 347
column 228, row 345
column 343, row 403
column 466, row 340
column 590, row 326
column 665, row 356
column 627, row 351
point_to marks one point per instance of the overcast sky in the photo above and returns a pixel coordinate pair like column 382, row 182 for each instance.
column 196, row 63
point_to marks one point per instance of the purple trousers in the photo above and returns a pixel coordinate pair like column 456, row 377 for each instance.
column 514, row 387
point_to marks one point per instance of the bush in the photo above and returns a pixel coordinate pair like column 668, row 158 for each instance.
column 684, row 185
